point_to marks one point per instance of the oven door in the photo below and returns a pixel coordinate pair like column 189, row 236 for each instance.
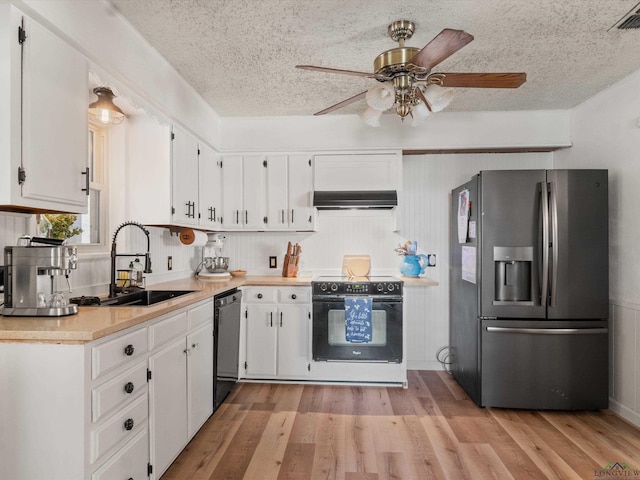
column 330, row 338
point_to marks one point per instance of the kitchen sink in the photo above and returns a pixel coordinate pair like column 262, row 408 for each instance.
column 143, row 298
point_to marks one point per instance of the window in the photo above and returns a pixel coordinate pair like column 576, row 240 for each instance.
column 90, row 227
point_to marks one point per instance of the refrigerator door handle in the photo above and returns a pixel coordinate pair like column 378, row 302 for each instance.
column 544, row 209
column 554, row 244
column 549, row 331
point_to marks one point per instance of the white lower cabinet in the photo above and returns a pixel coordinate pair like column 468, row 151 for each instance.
column 181, row 382
column 276, row 327
column 121, row 407
column 168, row 404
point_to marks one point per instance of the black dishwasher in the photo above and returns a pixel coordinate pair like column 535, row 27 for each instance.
column 227, row 344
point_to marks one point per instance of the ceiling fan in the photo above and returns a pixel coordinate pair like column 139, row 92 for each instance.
column 407, row 82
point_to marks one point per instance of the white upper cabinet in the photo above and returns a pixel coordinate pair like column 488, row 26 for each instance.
column 173, row 179
column 254, row 191
column 232, row 205
column 210, row 188
column 267, row 192
column 244, row 192
column 44, row 131
column 184, row 178
column 301, row 211
column 358, row 171
column 277, row 198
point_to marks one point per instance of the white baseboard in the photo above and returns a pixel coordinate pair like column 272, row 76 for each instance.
column 624, row 411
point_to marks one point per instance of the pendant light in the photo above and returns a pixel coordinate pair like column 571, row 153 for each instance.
column 103, row 110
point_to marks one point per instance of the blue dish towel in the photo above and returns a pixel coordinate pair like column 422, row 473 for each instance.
column 357, row 312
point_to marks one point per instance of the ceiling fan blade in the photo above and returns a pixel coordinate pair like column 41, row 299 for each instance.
column 443, row 45
column 337, row 70
column 482, row 80
column 342, row 103
column 423, row 98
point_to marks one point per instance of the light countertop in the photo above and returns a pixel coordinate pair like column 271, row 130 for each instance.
column 92, row 323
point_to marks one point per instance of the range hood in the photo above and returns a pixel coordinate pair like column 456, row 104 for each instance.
column 361, row 199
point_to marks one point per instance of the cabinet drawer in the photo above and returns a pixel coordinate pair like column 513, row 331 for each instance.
column 167, row 329
column 130, row 462
column 118, row 351
column 119, row 391
column 200, row 315
column 121, row 428
column 294, row 295
column 259, row 295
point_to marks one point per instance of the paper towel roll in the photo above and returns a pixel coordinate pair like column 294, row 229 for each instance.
column 194, row 238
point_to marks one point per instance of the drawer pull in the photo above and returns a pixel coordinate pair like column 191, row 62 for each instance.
column 129, row 387
column 195, row 345
column 128, row 350
column 128, row 424
column 259, row 295
column 293, row 296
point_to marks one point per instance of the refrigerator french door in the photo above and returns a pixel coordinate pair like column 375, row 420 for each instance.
column 529, row 325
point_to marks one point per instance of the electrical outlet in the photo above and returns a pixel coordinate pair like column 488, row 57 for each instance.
column 431, row 260
column 169, row 262
column 273, row 262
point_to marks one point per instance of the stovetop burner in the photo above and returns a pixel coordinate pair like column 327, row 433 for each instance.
column 375, row 285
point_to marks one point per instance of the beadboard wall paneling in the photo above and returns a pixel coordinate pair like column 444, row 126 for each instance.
column 12, row 226
column 624, row 365
column 339, row 233
column 424, row 217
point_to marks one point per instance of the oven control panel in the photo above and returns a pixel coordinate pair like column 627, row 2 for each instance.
column 356, row 288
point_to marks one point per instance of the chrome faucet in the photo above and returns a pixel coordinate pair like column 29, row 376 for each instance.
column 113, row 288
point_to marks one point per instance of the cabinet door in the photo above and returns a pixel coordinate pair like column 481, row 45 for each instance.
column 261, row 340
column 277, row 204
column 168, row 404
column 200, row 376
column 301, row 213
column 293, row 340
column 210, row 188
column 55, row 121
column 254, row 192
column 184, row 178
column 232, row 192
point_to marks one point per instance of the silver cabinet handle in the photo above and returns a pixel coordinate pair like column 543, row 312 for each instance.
column 549, row 331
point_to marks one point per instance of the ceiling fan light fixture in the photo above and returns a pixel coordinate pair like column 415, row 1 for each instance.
column 439, row 98
column 420, row 114
column 381, row 97
column 103, row 110
column 371, row 117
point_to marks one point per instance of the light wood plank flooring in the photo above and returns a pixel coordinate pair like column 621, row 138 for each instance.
column 429, row 431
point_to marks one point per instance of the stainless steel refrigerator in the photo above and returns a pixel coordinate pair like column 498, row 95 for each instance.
column 529, row 288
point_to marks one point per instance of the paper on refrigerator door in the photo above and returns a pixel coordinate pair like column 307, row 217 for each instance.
column 463, row 215
column 469, row 264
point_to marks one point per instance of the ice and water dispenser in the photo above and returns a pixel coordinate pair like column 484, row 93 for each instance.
column 513, row 275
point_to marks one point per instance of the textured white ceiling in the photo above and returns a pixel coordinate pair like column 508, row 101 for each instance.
column 240, row 54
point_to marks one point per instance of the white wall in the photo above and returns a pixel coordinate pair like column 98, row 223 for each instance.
column 445, row 130
column 606, row 134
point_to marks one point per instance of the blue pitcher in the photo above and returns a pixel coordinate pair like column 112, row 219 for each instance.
column 413, row 265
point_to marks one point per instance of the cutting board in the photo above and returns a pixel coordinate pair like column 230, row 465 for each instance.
column 356, row 265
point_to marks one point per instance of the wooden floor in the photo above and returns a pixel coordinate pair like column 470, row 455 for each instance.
column 429, row 431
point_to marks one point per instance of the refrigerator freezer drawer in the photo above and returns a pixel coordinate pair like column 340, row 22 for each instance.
column 544, row 365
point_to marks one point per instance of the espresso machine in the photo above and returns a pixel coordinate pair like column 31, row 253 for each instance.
column 30, row 278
